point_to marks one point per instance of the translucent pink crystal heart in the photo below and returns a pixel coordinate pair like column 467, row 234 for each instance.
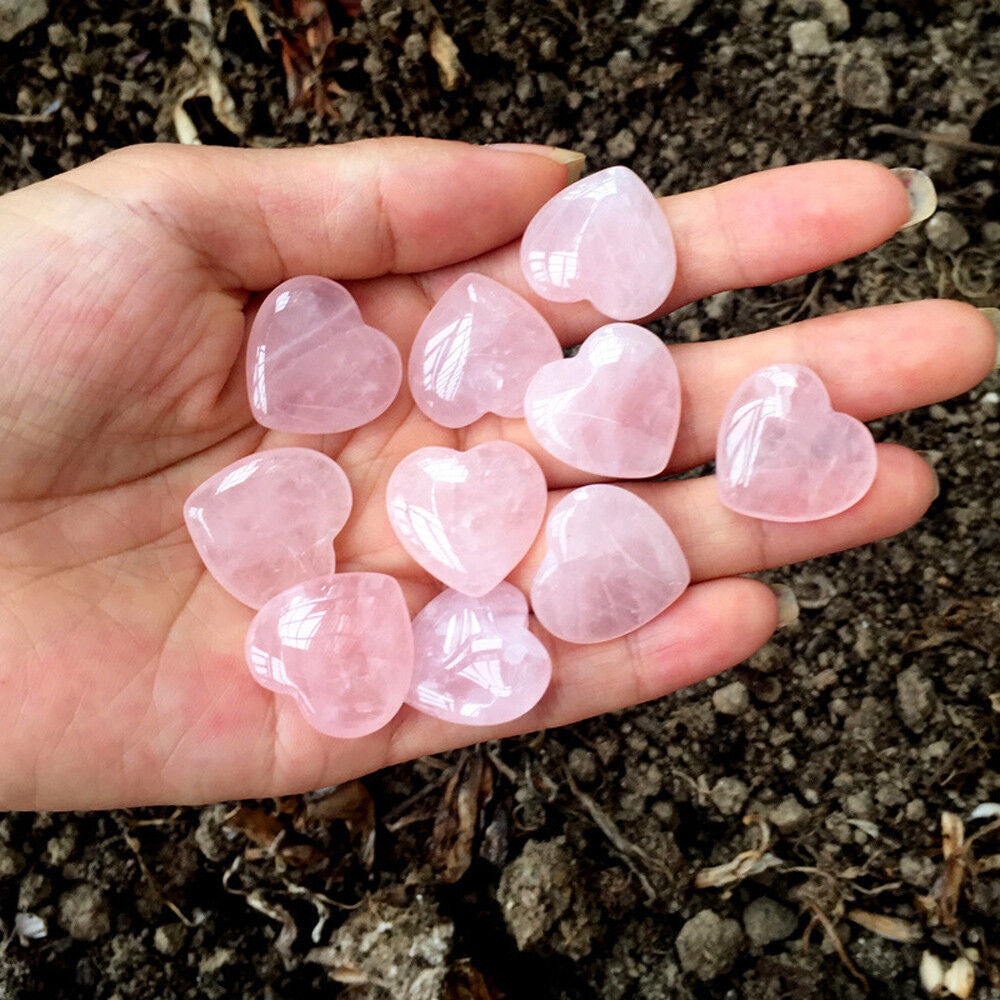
column 468, row 517
column 605, row 239
column 476, row 351
column 476, row 663
column 612, row 565
column 341, row 645
column 313, row 366
column 268, row 521
column 784, row 454
column 614, row 409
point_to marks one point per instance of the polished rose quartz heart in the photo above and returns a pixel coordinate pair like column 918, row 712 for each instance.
column 612, row 565
column 268, row 521
column 341, row 645
column 476, row 351
column 475, row 662
column 468, row 517
column 313, row 366
column 614, row 409
column 605, row 239
column 784, row 454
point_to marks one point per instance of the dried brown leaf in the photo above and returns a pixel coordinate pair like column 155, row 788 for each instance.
column 259, row 827
column 974, row 623
column 350, row 803
column 952, row 834
column 200, row 75
column 466, row 982
column 444, row 52
column 301, row 855
column 893, row 928
column 457, row 821
column 307, row 53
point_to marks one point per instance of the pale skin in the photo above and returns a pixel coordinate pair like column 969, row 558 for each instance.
column 126, row 288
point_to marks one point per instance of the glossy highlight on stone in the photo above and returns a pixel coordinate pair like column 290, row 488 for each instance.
column 475, row 662
column 268, row 521
column 605, row 239
column 612, row 565
column 467, row 517
column 476, row 351
column 313, row 366
column 341, row 645
column 784, row 454
column 612, row 410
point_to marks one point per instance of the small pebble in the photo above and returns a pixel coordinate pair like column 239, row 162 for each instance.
column 729, row 795
column 765, row 921
column 30, row 926
column 835, row 13
column 769, row 659
column 11, row 861
column 860, row 805
column 34, row 889
column 809, row 38
column 622, row 145
column 946, row 233
column 84, row 913
column 19, row 15
column 789, row 815
column 915, row 698
column 169, row 938
column 861, row 79
column 708, row 946
column 582, row 765
column 733, row 699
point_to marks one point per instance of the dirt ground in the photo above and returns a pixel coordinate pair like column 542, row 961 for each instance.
column 777, row 832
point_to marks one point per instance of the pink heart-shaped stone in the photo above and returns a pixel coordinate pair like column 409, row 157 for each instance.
column 313, row 366
column 614, row 409
column 784, row 454
column 612, row 565
column 341, row 645
column 475, row 662
column 605, row 239
column 268, row 521
column 476, row 351
column 468, row 517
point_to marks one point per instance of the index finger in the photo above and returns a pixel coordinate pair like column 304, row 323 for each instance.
column 753, row 230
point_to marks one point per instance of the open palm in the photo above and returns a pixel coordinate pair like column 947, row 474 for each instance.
column 126, row 289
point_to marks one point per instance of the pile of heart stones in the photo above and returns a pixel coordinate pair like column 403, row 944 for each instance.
column 342, row 644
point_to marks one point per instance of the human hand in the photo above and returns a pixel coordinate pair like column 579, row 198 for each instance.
column 126, row 288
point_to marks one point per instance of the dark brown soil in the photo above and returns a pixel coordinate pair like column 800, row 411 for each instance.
column 853, row 733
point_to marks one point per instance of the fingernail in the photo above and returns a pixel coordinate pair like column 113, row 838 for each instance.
column 920, row 191
column 993, row 315
column 570, row 158
column 788, row 606
column 937, row 484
